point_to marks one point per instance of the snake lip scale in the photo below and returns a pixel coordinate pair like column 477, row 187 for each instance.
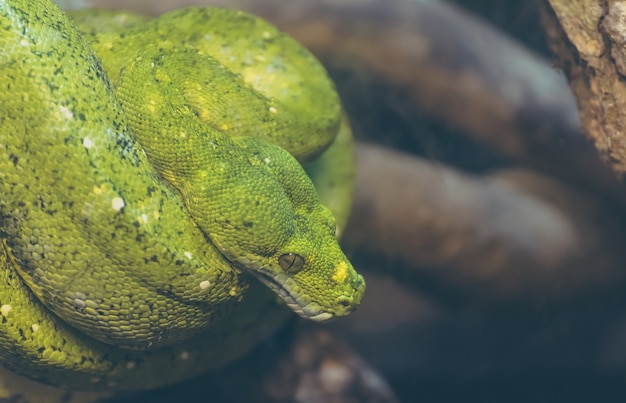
column 310, row 310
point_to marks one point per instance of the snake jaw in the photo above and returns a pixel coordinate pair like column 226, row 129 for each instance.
column 287, row 288
column 297, row 303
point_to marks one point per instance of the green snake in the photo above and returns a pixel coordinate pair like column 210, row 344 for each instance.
column 149, row 177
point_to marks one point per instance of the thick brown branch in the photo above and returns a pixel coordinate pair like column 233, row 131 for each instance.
column 515, row 234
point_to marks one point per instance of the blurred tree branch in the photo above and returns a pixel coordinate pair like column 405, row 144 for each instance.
column 512, row 235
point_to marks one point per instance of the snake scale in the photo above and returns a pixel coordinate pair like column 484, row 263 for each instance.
column 152, row 207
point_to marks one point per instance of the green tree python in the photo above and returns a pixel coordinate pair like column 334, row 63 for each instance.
column 152, row 194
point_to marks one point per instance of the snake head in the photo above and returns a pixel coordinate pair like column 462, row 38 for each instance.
column 268, row 220
column 310, row 272
column 342, row 294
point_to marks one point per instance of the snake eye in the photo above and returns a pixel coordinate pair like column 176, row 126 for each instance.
column 290, row 262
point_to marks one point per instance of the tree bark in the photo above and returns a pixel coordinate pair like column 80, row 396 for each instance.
column 589, row 38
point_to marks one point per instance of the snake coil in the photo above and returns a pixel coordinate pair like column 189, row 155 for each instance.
column 148, row 180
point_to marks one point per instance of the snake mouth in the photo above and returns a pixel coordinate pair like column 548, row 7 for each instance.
column 295, row 301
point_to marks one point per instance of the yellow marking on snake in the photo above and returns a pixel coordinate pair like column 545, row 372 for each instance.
column 341, row 272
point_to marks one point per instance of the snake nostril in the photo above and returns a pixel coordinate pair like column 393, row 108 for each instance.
column 345, row 302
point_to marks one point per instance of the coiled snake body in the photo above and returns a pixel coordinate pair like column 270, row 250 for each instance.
column 140, row 189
